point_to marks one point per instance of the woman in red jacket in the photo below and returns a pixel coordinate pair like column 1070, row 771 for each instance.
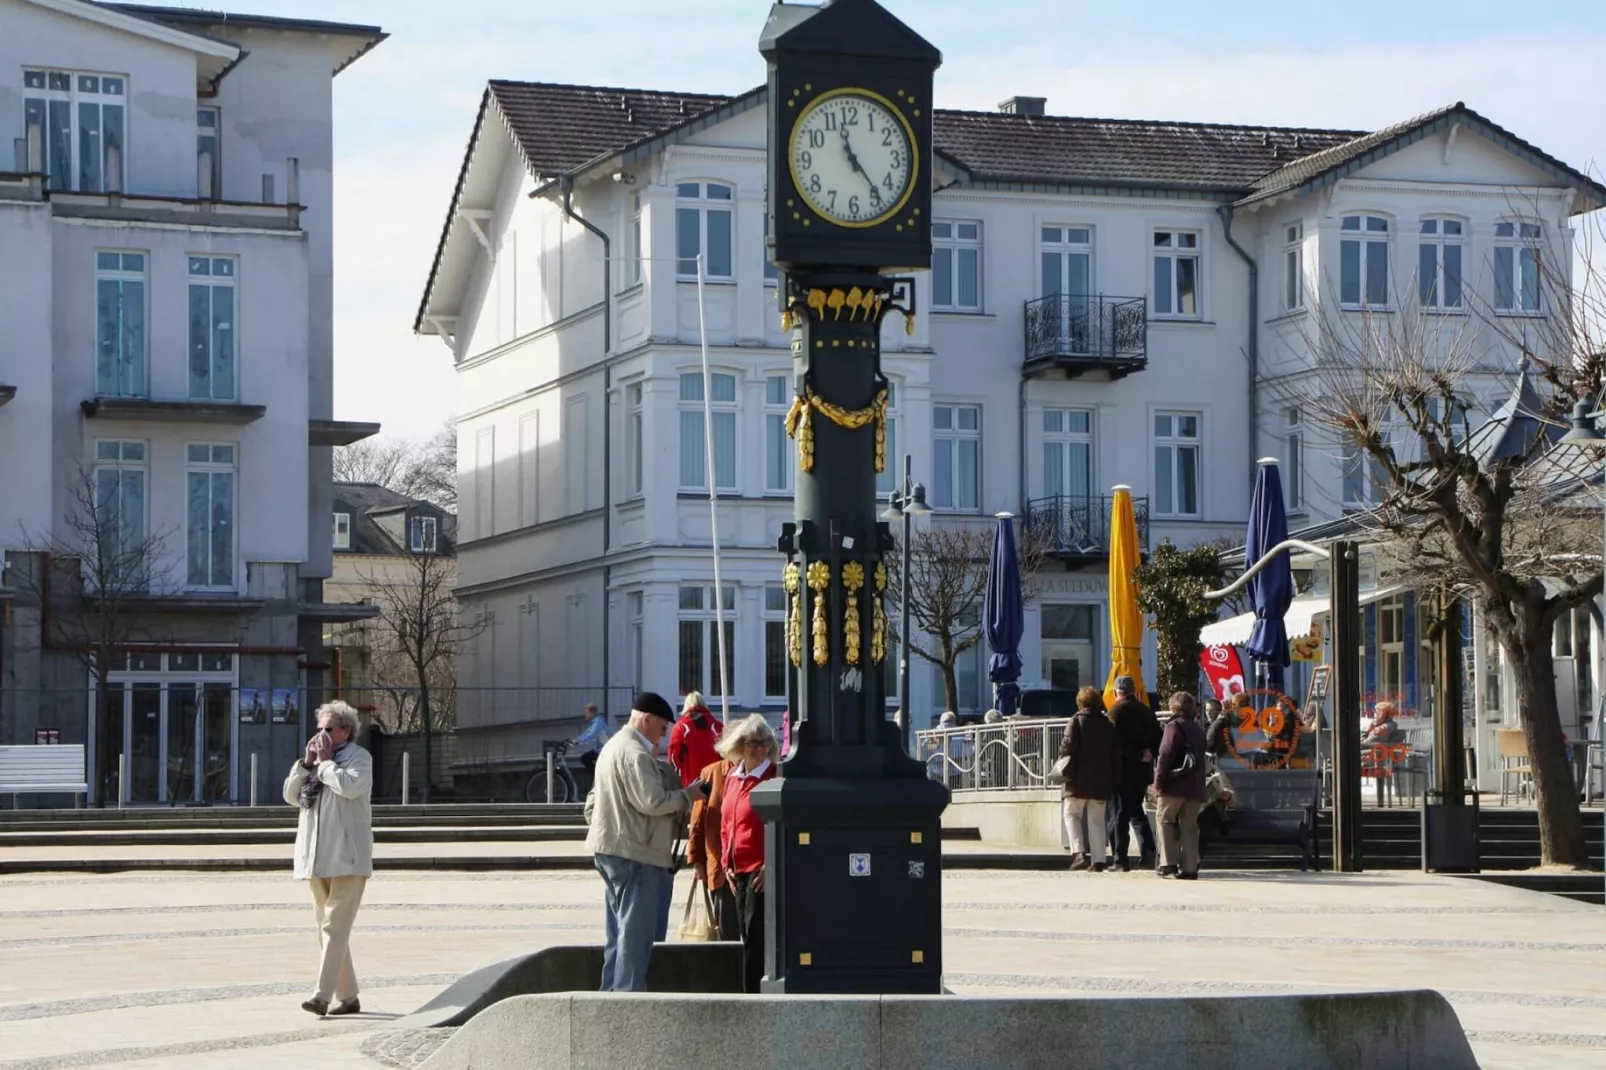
column 750, row 745
column 692, row 740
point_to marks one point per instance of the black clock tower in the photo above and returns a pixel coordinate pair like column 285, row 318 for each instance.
column 853, row 835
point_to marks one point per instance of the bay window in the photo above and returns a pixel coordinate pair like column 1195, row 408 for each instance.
column 703, row 222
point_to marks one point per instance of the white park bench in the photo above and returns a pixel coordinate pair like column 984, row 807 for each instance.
column 54, row 768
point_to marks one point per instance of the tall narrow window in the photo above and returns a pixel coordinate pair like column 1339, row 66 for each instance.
column 120, row 308
column 956, row 456
column 633, row 429
column 1293, row 460
column 635, row 610
column 422, row 533
column 956, row 267
column 1516, row 267
column 342, row 531
column 79, row 119
column 1363, row 262
column 1365, row 479
column 1440, row 252
column 1177, row 278
column 208, row 154
column 119, row 513
column 1068, row 454
column 887, row 479
column 1176, row 463
column 1293, row 267
column 212, row 333
column 775, row 663
column 693, row 437
column 633, row 254
column 778, row 461
column 209, row 494
column 699, row 640
column 703, row 220
column 772, row 274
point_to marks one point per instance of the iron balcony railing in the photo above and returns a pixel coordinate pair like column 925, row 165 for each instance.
column 1079, row 526
column 1089, row 330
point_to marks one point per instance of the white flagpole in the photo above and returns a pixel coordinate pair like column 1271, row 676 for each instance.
column 713, row 500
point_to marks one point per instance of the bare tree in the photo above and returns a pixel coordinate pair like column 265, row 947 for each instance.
column 419, row 469
column 92, row 578
column 948, row 583
column 420, row 630
column 1452, row 420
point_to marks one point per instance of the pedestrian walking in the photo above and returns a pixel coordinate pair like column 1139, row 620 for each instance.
column 1091, row 777
column 1179, row 780
column 331, row 785
column 634, row 810
column 750, row 745
column 691, row 743
column 703, row 849
column 1140, row 737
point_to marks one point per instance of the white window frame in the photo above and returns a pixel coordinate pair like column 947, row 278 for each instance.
column 635, row 456
column 1063, row 249
column 1174, row 442
column 636, row 613
column 1177, row 248
column 1525, row 237
column 775, row 633
column 139, row 383
column 953, row 439
column 706, row 202
column 772, row 274
column 1441, row 234
column 212, row 187
column 887, row 480
column 1391, row 648
column 946, row 238
column 1064, row 438
column 1294, row 267
column 704, row 616
column 215, row 459
column 631, row 270
column 1293, row 459
column 723, row 411
column 342, row 534
column 779, row 456
column 211, row 275
column 1373, row 485
column 423, row 534
column 1366, row 235
column 131, row 456
column 77, row 97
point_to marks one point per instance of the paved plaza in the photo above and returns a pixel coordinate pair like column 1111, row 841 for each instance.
column 185, row 970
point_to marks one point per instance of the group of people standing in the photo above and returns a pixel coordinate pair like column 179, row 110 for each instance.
column 1110, row 761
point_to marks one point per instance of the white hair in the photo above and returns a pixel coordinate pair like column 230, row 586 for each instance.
column 342, row 715
column 737, row 733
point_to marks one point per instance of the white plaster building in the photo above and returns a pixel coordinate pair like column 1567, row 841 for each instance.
column 1090, row 321
column 166, row 276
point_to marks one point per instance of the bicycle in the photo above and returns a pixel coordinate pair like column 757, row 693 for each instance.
column 563, row 785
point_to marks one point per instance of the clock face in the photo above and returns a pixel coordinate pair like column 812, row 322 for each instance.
column 852, row 156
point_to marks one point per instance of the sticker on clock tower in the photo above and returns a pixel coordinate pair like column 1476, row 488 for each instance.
column 858, row 865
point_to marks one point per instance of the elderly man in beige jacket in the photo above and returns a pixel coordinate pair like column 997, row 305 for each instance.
column 331, row 784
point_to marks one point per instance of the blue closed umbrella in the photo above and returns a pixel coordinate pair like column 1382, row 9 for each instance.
column 1272, row 588
column 1004, row 617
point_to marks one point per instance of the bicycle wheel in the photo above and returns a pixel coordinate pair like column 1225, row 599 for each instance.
column 535, row 787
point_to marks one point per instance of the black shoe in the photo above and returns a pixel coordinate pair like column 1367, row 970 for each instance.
column 1166, row 871
column 1147, row 861
column 1126, row 865
column 346, row 1006
column 1180, row 877
column 317, row 1006
column 1098, row 867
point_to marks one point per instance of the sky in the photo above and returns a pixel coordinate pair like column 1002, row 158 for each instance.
column 404, row 112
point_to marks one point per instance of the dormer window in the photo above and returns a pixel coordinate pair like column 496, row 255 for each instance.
column 342, row 531
column 422, row 534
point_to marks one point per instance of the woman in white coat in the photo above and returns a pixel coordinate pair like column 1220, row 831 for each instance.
column 331, row 785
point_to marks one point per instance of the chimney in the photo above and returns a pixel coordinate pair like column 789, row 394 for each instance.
column 292, row 181
column 1024, row 106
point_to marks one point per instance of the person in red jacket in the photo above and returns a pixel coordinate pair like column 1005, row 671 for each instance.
column 753, row 750
column 692, row 740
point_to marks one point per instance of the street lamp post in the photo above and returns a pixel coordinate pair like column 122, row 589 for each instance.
column 908, row 501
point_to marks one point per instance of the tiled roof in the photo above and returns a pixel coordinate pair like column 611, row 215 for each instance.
column 378, row 524
column 563, row 127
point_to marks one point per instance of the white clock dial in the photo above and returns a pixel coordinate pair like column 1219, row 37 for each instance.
column 852, row 159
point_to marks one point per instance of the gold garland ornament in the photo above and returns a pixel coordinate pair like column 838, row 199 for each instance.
column 819, row 580
column 852, row 582
column 800, row 423
column 878, row 627
column 791, row 580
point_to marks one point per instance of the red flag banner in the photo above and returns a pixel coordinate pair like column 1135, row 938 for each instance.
column 1223, row 669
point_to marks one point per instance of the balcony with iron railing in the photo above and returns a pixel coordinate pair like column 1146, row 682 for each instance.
column 1077, row 528
column 1080, row 333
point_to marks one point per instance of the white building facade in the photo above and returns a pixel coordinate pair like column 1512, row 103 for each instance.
column 166, row 363
column 1089, row 321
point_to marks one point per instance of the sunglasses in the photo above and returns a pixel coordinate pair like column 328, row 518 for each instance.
column 756, row 744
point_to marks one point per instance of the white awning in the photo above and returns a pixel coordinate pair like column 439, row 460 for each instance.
column 1300, row 620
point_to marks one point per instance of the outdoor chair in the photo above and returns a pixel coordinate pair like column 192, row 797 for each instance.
column 1512, row 748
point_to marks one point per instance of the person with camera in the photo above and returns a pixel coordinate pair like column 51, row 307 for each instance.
column 750, row 745
column 635, row 809
column 334, row 853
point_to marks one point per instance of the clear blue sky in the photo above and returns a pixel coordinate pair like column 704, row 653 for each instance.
column 404, row 112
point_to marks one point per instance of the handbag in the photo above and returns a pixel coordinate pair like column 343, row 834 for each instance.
column 697, row 919
column 1057, row 774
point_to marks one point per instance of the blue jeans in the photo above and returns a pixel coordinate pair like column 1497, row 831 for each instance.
column 637, row 904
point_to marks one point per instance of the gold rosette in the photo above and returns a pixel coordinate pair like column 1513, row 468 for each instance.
column 819, row 580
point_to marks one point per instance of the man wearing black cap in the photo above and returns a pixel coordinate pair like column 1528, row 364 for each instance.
column 1140, row 738
column 634, row 809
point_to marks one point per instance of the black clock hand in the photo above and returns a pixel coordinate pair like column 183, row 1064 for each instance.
column 854, row 160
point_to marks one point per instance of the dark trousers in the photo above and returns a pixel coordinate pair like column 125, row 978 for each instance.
column 750, row 909
column 727, row 916
column 1126, row 813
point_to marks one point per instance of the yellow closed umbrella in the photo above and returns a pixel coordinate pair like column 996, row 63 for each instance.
column 1126, row 620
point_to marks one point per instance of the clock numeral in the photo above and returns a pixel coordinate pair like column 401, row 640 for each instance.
column 853, row 206
column 852, row 116
column 830, row 118
column 886, row 138
column 871, row 116
column 887, row 182
column 831, row 193
column 805, row 159
column 897, row 160
column 816, row 139
column 875, row 194
column 814, row 183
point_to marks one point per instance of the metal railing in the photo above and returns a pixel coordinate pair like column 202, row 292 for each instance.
column 993, row 757
column 1088, row 327
column 1080, row 526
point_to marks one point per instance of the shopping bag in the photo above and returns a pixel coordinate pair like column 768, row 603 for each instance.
column 697, row 919
column 1056, row 775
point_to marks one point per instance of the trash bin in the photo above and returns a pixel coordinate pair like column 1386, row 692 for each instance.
column 1450, row 837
